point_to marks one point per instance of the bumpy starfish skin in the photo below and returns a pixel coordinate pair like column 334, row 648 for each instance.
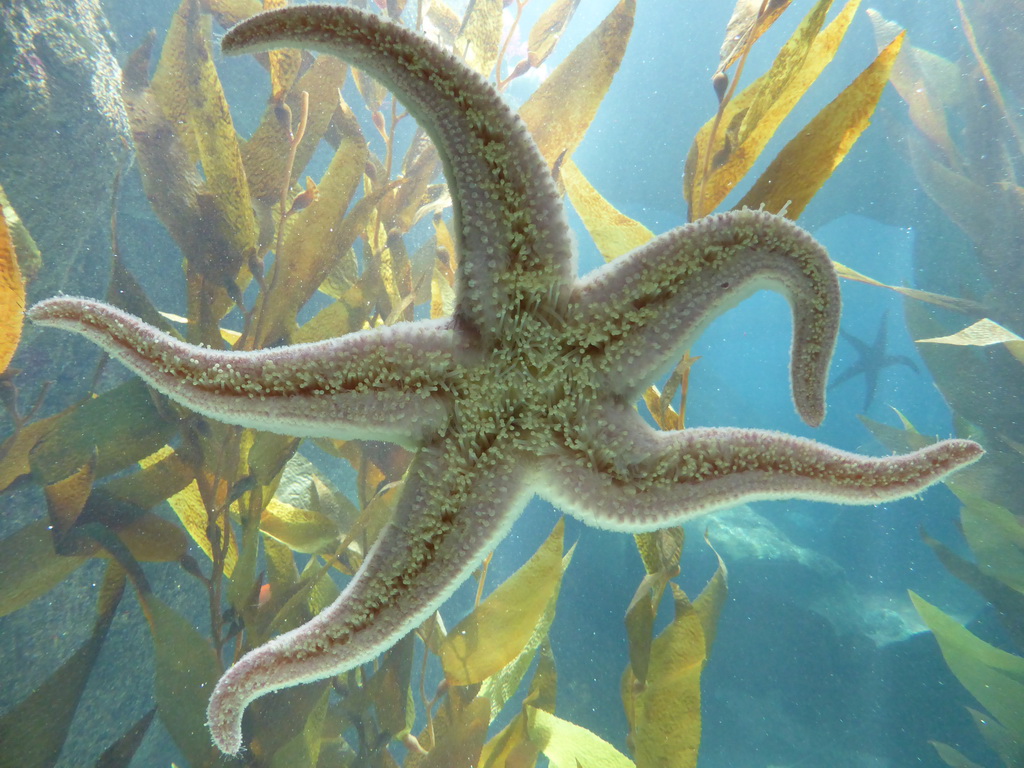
column 529, row 388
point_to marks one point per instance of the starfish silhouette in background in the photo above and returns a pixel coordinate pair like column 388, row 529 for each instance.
column 530, row 387
column 871, row 361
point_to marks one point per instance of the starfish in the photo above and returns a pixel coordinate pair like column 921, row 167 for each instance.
column 530, row 387
column 872, row 359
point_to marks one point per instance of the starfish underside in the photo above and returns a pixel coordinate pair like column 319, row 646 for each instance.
column 531, row 385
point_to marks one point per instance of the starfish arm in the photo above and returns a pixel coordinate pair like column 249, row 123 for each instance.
column 452, row 512
column 870, row 386
column 510, row 229
column 634, row 478
column 900, row 360
column 383, row 384
column 864, row 351
column 642, row 310
column 851, row 372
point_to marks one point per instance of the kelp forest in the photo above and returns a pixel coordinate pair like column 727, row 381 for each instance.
column 332, row 216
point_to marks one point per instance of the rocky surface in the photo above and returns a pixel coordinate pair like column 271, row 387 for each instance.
column 65, row 131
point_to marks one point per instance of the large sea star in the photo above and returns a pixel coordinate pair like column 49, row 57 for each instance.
column 529, row 388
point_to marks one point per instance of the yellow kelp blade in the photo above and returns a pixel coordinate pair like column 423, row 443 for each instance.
column 548, row 29
column 665, row 713
column 568, row 745
column 511, row 747
column 663, row 709
column 745, row 26
column 929, row 84
column 230, row 12
column 479, row 40
column 266, row 153
column 502, row 685
column 994, row 677
column 301, row 530
column 303, row 749
column 751, row 118
column 189, row 92
column 806, row 162
column 191, row 511
column 315, row 236
column 983, row 333
column 938, row 299
column 284, row 62
column 30, row 260
column 498, row 629
column 12, row 297
column 614, row 233
column 227, row 334
column 562, row 108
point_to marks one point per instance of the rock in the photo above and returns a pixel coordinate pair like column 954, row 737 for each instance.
column 65, row 133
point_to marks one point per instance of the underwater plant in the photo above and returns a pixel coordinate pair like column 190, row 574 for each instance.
column 249, row 500
column 963, row 139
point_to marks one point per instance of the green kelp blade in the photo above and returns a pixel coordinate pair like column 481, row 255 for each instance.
column 1008, row 745
column 568, row 745
column 460, row 731
column 303, row 751
column 952, row 757
column 282, row 722
column 996, row 538
column 188, row 89
column 808, row 160
column 994, row 677
column 120, row 753
column 390, row 687
column 33, row 732
column 1008, row 603
column 498, row 629
column 29, row 567
column 562, row 108
column 186, row 671
column 122, row 425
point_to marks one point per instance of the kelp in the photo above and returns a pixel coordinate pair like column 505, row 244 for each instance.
column 963, row 140
column 266, row 239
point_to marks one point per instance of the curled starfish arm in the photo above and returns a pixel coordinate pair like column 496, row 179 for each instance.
column 449, row 516
column 644, row 309
column 635, row 478
column 509, row 225
column 385, row 384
